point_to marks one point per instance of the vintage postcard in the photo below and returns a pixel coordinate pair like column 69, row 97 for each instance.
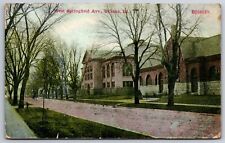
column 112, row 71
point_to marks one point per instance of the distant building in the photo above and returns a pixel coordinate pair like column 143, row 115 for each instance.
column 200, row 70
column 104, row 70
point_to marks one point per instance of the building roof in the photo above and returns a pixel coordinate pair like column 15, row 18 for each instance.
column 194, row 47
column 95, row 54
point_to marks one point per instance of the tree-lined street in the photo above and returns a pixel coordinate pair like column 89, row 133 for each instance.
column 136, row 70
column 152, row 122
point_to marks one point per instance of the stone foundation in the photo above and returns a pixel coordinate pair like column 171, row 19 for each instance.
column 204, row 88
column 213, row 88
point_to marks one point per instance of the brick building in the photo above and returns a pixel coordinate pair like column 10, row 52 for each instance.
column 199, row 72
column 106, row 71
column 199, row 69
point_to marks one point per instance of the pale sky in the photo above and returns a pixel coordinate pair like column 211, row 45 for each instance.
column 82, row 28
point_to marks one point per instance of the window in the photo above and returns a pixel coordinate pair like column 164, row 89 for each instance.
column 148, row 80
column 127, row 69
column 213, row 75
column 103, row 71
column 194, row 80
column 112, row 70
column 103, row 85
column 88, row 73
column 156, row 80
column 108, row 84
column 88, row 77
column 108, row 70
column 160, row 82
column 113, row 84
column 90, row 70
column 91, row 76
column 127, row 83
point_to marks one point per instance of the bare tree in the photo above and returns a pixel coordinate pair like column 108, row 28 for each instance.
column 13, row 50
column 12, row 13
column 133, row 28
column 15, row 62
column 73, row 70
column 32, row 20
column 69, row 59
column 63, row 59
column 173, row 34
column 46, row 20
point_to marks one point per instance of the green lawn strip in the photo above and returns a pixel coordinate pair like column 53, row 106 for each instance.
column 198, row 109
column 122, row 97
column 193, row 105
column 155, row 105
column 70, row 127
column 100, row 102
column 194, row 99
column 106, row 97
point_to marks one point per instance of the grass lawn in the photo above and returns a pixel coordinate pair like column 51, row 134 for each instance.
column 213, row 110
column 100, row 102
column 107, row 101
column 194, row 99
column 186, row 99
column 106, row 97
column 70, row 127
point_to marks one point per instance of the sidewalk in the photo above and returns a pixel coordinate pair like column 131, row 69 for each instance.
column 15, row 126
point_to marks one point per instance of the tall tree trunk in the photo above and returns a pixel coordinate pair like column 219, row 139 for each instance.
column 65, row 88
column 171, row 85
column 136, row 92
column 67, row 97
column 10, row 91
column 10, row 94
column 23, row 88
column 75, row 95
column 56, row 93
column 61, row 92
column 48, row 92
column 137, row 72
column 15, row 93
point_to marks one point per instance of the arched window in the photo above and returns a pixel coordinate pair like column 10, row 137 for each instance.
column 156, row 80
column 212, row 73
column 103, row 72
column 160, row 82
column 88, row 73
column 112, row 70
column 194, row 80
column 108, row 70
column 148, row 80
column 127, row 69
